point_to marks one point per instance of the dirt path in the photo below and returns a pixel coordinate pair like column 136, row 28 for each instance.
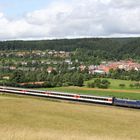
column 111, row 90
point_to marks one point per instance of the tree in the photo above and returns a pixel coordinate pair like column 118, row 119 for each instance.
column 137, row 85
column 105, row 85
column 131, row 85
column 97, row 82
column 104, row 81
column 80, row 80
column 18, row 76
column 48, row 84
column 77, row 79
column 91, row 84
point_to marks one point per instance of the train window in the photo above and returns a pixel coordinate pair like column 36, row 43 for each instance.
column 60, row 94
column 94, row 98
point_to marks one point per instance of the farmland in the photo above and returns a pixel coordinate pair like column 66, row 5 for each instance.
column 27, row 118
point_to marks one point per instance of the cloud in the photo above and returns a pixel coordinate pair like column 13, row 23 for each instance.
column 77, row 18
column 125, row 3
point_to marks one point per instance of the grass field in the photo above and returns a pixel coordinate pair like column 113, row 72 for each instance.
column 115, row 84
column 114, row 90
column 27, row 118
column 131, row 94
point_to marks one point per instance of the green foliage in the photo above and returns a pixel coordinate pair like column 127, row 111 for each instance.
column 99, row 83
column 18, row 76
column 86, row 51
column 131, row 85
column 135, row 85
column 124, row 75
column 122, row 85
column 50, row 79
column 101, row 48
column 90, row 84
column 49, row 84
column 77, row 79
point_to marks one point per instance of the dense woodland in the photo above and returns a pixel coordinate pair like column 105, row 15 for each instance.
column 104, row 48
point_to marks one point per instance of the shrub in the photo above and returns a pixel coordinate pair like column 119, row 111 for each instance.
column 91, row 84
column 122, row 85
column 105, row 86
column 137, row 85
column 131, row 85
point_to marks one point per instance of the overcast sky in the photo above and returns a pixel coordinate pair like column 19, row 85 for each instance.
column 47, row 19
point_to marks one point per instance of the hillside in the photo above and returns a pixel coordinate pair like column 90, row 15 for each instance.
column 109, row 48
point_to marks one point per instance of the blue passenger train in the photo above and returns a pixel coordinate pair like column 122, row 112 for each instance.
column 126, row 102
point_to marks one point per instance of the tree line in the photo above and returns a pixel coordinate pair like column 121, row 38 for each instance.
column 104, row 48
column 50, row 80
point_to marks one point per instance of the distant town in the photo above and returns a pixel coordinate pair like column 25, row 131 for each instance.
column 61, row 68
column 31, row 60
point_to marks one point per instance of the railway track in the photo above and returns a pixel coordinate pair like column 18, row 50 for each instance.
column 72, row 97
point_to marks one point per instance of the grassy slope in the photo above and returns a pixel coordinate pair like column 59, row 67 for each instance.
column 37, row 119
column 98, row 92
column 115, row 84
column 114, row 90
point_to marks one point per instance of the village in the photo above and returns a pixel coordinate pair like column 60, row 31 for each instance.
column 49, row 59
column 105, row 67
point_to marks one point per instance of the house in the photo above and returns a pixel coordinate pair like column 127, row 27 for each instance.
column 12, row 68
column 99, row 71
column 50, row 69
column 82, row 67
column 6, row 77
column 68, row 61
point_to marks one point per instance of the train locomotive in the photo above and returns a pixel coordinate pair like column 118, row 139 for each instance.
column 73, row 97
column 126, row 103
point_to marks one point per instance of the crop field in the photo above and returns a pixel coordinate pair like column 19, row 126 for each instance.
column 32, row 118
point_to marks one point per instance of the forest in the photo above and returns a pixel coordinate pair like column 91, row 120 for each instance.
column 104, row 48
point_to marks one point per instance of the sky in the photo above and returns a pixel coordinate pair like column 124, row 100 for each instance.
column 51, row 19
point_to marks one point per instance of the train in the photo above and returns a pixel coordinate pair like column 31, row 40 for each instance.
column 74, row 97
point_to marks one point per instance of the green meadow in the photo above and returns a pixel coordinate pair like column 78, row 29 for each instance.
column 103, row 92
column 114, row 89
column 114, row 83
